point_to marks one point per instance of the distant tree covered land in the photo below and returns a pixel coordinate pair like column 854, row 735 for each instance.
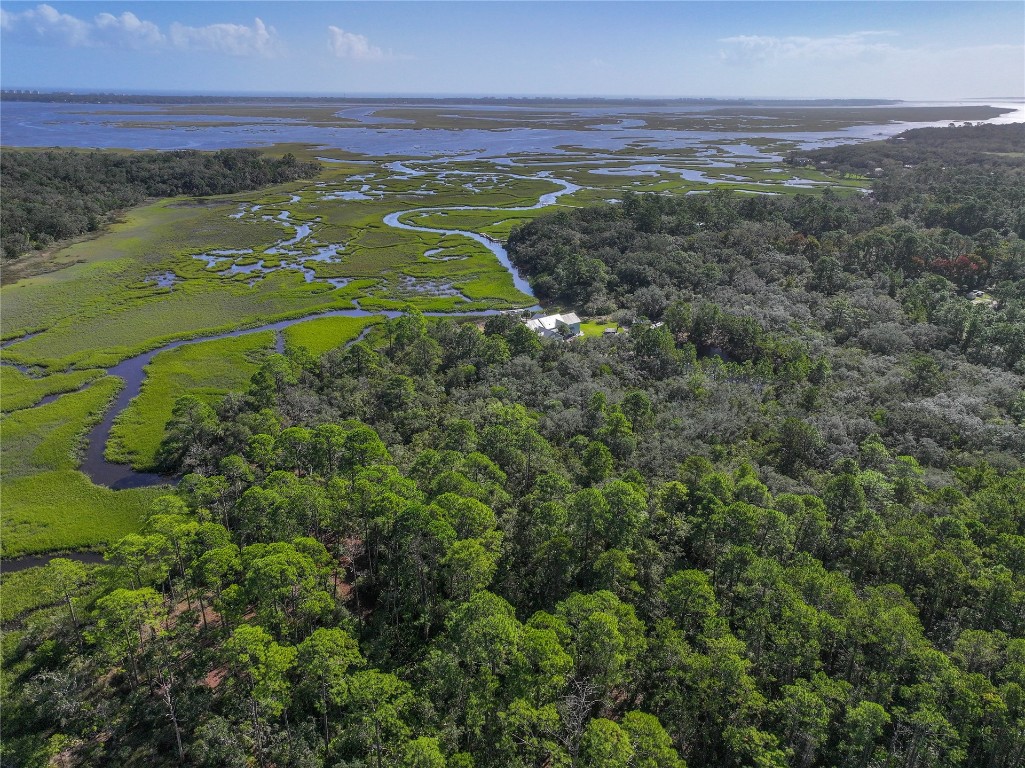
column 965, row 179
column 780, row 522
column 51, row 195
column 15, row 94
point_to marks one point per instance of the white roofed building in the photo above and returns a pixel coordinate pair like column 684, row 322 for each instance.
column 563, row 326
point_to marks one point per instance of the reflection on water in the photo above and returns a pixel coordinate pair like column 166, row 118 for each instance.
column 34, row 561
column 163, row 279
column 38, row 124
column 395, row 220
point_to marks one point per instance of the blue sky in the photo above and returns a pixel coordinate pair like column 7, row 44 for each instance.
column 908, row 50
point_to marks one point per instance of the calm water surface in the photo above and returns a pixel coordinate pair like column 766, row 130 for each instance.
column 34, row 124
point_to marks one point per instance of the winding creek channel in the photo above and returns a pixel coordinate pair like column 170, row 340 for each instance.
column 133, row 370
column 550, row 198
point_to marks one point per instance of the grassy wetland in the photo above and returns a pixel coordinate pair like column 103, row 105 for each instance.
column 770, row 397
column 48, row 504
column 370, row 233
column 208, row 370
column 584, row 116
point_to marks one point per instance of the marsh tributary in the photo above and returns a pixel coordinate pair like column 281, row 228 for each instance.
column 395, row 220
column 298, row 259
column 133, row 370
column 11, row 565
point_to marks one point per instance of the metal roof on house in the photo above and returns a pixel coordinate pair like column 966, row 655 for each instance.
column 549, row 322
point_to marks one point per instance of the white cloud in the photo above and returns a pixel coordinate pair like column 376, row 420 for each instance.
column 349, row 45
column 232, row 39
column 126, row 31
column 44, row 25
column 765, row 48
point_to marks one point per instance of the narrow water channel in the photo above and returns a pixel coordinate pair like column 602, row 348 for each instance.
column 395, row 220
column 132, row 370
column 34, row 561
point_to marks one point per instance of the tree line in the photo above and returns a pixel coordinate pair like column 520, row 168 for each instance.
column 966, row 179
column 52, row 195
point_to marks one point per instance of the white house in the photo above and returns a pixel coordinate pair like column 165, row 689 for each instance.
column 564, row 326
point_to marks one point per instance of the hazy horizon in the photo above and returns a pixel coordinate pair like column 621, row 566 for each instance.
column 99, row 90
column 911, row 51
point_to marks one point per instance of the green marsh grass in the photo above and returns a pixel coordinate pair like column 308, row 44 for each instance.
column 48, row 504
column 22, row 591
column 63, row 510
column 198, row 309
column 480, row 221
column 422, row 303
column 322, row 334
column 19, row 390
column 207, row 369
column 496, row 288
column 49, row 437
column 28, row 590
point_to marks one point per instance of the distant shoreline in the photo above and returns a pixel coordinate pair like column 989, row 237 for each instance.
column 105, row 97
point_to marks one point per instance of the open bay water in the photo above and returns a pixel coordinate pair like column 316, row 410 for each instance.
column 129, row 126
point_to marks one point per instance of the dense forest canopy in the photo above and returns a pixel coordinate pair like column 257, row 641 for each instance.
column 780, row 522
column 52, row 195
column 967, row 179
column 975, row 146
column 727, row 270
